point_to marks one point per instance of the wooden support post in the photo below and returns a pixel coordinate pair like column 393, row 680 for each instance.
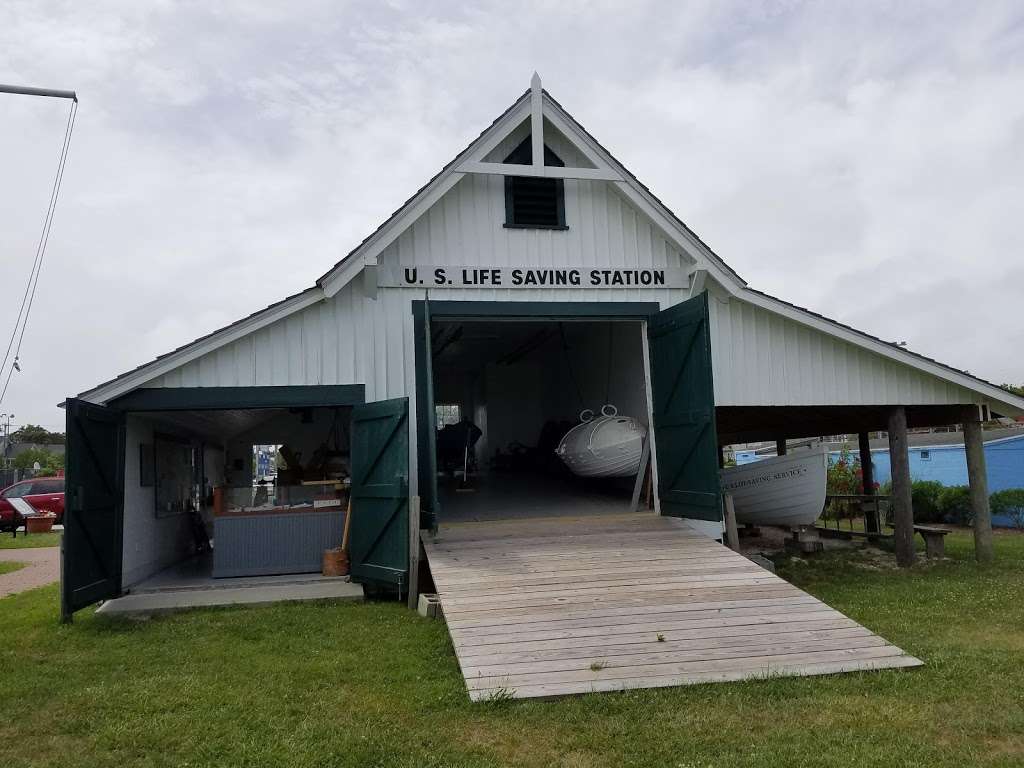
column 872, row 520
column 732, row 534
column 977, row 480
column 780, row 446
column 414, row 551
column 645, row 456
column 903, row 511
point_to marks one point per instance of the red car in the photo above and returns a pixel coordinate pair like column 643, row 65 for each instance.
column 45, row 494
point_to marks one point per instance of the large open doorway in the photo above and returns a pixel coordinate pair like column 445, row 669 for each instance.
column 662, row 366
column 232, row 493
column 506, row 393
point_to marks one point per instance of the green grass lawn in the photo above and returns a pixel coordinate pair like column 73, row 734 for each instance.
column 375, row 685
column 51, row 539
column 6, row 566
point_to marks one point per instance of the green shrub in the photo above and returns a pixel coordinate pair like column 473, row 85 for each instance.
column 955, row 504
column 1009, row 502
column 925, row 495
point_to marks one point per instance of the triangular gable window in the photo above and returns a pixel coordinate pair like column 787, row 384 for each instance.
column 531, row 202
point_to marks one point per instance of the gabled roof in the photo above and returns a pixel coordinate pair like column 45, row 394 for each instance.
column 504, row 124
column 523, row 108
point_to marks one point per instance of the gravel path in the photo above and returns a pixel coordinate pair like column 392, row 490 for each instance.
column 42, row 566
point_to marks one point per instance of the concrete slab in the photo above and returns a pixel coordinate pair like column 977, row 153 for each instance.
column 171, row 600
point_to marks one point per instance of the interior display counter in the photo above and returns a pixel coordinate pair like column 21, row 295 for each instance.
column 286, row 533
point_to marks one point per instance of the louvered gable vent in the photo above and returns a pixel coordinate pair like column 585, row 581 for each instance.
column 531, row 202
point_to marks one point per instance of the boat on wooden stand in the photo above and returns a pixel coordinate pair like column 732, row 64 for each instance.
column 784, row 490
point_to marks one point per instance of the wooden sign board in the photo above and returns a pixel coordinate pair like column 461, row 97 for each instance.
column 531, row 277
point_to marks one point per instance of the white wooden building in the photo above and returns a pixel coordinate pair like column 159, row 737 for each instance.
column 533, row 275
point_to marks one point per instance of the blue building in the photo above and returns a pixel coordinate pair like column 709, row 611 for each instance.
column 941, row 457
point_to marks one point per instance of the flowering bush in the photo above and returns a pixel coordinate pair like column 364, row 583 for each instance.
column 845, row 477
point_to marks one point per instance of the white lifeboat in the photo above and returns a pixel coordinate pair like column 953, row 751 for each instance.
column 787, row 490
column 606, row 446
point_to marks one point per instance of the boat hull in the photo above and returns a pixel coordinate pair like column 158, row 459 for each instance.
column 786, row 490
column 608, row 446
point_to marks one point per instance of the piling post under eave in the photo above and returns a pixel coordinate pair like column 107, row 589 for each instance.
column 780, row 447
column 977, row 480
column 903, row 511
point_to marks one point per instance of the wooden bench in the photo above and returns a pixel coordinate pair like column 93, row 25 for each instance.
column 934, row 540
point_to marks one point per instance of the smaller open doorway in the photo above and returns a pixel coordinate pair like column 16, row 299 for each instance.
column 213, row 496
column 506, row 393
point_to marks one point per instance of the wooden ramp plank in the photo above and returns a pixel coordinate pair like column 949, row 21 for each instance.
column 559, row 606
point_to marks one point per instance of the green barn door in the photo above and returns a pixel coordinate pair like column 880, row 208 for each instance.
column 94, row 500
column 426, row 419
column 379, row 530
column 684, row 411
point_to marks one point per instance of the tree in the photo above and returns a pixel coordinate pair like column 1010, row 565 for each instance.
column 1015, row 389
column 33, row 433
column 49, row 462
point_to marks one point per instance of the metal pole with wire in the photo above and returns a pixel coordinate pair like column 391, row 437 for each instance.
column 28, row 297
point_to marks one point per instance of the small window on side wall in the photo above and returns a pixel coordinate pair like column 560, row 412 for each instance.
column 531, row 202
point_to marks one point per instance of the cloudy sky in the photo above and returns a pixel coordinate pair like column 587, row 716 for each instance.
column 862, row 159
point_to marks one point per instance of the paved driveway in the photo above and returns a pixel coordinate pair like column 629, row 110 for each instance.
column 42, row 566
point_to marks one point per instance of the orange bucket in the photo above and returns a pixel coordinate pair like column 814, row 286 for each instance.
column 335, row 562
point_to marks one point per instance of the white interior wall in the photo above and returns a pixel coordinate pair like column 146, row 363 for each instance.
column 606, row 374
column 150, row 543
column 516, row 403
column 214, row 464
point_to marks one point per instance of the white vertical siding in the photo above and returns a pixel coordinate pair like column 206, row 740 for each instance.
column 761, row 358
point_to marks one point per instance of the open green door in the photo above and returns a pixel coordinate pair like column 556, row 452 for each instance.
column 426, row 420
column 94, row 499
column 379, row 529
column 685, row 437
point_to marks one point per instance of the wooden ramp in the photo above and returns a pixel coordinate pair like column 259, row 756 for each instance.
column 561, row 606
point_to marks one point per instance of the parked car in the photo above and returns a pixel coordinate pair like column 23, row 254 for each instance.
column 45, row 494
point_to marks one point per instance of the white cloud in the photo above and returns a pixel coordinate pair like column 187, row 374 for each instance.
column 866, row 160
